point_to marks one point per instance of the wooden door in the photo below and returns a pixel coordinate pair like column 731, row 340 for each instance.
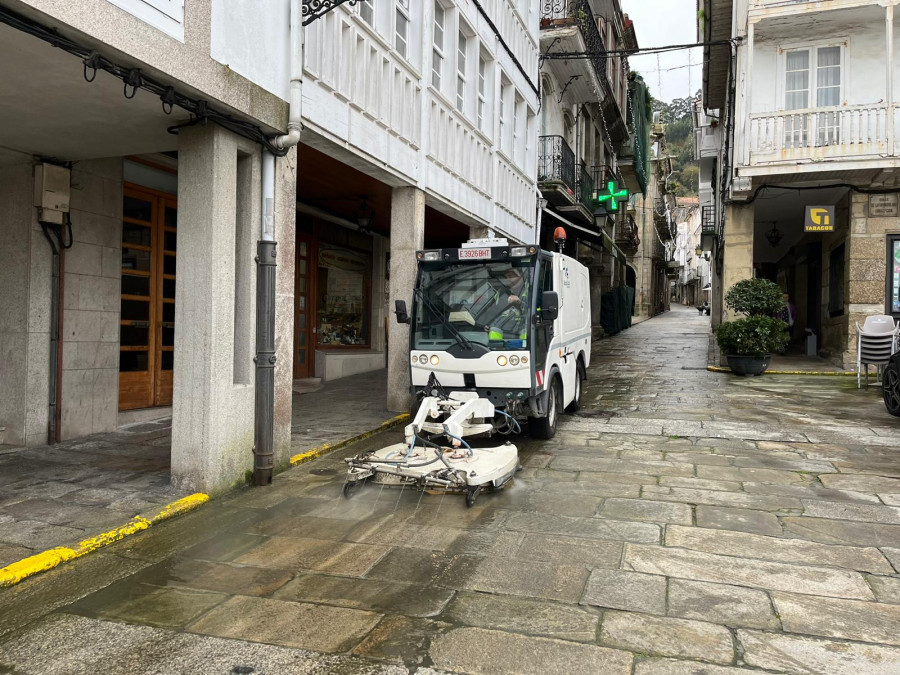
column 304, row 344
column 147, row 320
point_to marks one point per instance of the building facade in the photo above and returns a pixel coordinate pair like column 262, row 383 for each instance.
column 804, row 190
column 692, row 285
column 132, row 199
column 133, row 265
column 420, row 129
column 586, row 166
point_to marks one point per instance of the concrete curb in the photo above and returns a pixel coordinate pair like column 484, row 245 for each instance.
column 47, row 560
column 326, row 448
column 817, row 373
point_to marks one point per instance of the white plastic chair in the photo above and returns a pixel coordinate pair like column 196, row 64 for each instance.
column 876, row 341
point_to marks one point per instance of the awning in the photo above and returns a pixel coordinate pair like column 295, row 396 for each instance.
column 569, row 223
column 600, row 236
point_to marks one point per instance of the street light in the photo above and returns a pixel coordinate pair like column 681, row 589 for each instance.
column 699, row 251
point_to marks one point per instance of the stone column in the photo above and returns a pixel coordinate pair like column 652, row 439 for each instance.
column 285, row 236
column 25, row 278
column 407, row 236
column 212, row 415
column 479, row 232
column 738, row 259
column 92, row 302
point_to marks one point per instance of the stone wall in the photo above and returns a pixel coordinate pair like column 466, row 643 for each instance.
column 866, row 267
column 92, row 301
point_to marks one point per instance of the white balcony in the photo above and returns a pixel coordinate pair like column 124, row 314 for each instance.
column 839, row 133
column 786, row 7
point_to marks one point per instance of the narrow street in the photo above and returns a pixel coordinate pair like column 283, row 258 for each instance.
column 684, row 521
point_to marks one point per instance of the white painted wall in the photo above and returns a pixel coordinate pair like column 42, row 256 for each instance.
column 380, row 107
column 253, row 39
column 863, row 71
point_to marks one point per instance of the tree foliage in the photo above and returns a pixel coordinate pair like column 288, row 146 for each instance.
column 753, row 336
column 678, row 120
column 755, row 297
column 760, row 333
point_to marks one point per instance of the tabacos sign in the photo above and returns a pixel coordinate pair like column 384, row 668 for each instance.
column 819, row 219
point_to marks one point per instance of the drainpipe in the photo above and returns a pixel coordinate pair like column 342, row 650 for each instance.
column 264, row 418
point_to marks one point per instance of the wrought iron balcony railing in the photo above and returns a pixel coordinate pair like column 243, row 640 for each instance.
column 708, row 220
column 627, row 237
column 556, row 13
column 585, row 187
column 556, row 162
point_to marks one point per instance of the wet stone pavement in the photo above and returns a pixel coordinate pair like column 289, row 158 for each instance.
column 686, row 522
column 58, row 495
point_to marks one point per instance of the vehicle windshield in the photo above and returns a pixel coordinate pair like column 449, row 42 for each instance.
column 487, row 303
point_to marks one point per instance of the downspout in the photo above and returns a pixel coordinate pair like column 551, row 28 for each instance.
column 264, row 417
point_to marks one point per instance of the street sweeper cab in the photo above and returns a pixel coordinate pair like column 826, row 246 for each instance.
column 499, row 342
column 509, row 323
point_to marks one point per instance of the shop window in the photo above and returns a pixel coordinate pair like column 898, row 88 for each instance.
column 342, row 314
column 836, row 282
column 893, row 276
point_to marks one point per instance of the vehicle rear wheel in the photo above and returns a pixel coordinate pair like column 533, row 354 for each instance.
column 545, row 427
column 580, row 377
column 890, row 384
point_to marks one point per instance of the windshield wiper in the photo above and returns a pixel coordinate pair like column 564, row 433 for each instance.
column 461, row 339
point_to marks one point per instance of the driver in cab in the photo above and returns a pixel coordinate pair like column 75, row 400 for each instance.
column 511, row 301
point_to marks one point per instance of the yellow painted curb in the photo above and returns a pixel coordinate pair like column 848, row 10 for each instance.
column 818, row 373
column 41, row 562
column 325, row 448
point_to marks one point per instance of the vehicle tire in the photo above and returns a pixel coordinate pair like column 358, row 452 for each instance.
column 545, row 427
column 890, row 387
column 580, row 377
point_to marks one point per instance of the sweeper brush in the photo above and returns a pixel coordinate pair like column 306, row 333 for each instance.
column 435, row 456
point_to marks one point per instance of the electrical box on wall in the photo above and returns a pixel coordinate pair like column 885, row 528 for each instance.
column 51, row 191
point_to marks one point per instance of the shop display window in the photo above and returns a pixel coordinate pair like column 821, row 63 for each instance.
column 342, row 314
column 893, row 276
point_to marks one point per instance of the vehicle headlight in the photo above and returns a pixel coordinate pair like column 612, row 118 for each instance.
column 423, row 359
column 435, row 359
column 513, row 360
column 415, row 359
column 524, row 359
column 501, row 360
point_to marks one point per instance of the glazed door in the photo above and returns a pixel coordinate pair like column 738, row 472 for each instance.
column 304, row 345
column 147, row 321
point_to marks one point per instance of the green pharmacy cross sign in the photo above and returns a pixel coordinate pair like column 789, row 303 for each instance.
column 613, row 196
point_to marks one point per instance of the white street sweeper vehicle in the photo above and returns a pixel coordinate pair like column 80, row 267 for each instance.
column 500, row 338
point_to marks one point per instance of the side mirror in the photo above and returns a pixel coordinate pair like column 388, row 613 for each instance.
column 549, row 306
column 400, row 311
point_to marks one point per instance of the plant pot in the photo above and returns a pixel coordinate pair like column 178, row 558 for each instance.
column 748, row 365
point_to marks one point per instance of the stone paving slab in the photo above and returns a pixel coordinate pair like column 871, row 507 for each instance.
column 291, row 624
column 845, row 619
column 727, row 605
column 475, row 650
column 617, row 589
column 742, row 544
column 692, row 565
column 667, row 637
column 523, row 615
column 808, row 656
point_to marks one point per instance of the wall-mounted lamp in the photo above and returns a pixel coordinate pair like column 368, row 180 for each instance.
column 365, row 217
column 774, row 235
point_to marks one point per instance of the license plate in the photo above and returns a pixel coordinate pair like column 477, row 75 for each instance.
column 474, row 253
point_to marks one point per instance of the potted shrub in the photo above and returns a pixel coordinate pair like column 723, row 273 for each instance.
column 748, row 343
